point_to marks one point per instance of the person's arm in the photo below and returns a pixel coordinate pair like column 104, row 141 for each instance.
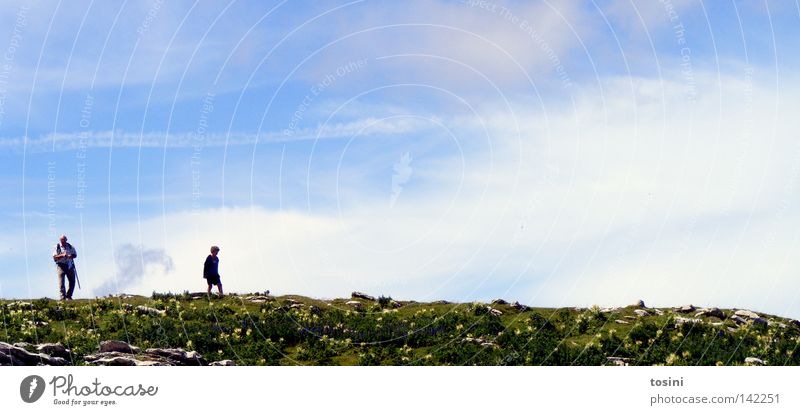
column 74, row 253
column 207, row 266
column 56, row 255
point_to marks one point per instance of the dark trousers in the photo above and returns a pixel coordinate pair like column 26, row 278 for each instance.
column 65, row 271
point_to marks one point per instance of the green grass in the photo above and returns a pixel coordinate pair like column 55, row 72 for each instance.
column 322, row 332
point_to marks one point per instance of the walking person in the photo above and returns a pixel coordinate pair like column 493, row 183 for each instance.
column 211, row 271
column 64, row 256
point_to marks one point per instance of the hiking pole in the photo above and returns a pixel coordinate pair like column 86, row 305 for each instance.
column 78, row 280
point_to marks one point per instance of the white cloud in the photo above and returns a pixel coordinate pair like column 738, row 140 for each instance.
column 640, row 194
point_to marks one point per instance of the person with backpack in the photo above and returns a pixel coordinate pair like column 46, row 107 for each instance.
column 64, row 256
column 211, row 271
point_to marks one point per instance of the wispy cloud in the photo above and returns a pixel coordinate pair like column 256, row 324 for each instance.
column 125, row 139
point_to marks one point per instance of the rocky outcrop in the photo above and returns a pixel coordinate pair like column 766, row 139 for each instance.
column 17, row 356
column 747, row 314
column 710, row 312
column 738, row 320
column 618, row 361
column 223, row 363
column 151, row 311
column 362, row 296
column 753, row 361
column 682, row 320
column 150, row 357
column 179, row 356
column 685, row 309
column 258, row 299
column 117, row 346
column 520, row 307
column 54, row 349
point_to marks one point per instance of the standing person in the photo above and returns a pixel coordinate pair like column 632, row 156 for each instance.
column 64, row 255
column 211, row 270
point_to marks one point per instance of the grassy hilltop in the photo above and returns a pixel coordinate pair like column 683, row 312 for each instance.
column 260, row 329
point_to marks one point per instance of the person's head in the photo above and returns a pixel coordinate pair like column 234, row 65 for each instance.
column 63, row 240
column 214, row 250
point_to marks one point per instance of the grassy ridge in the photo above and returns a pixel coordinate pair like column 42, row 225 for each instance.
column 295, row 330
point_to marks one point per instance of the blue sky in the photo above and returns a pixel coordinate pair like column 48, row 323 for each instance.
column 565, row 153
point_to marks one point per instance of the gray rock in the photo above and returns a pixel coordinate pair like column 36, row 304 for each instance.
column 641, row 313
column 114, row 361
column 621, row 321
column 178, row 356
column 747, row 314
column 520, row 307
column 27, row 346
column 686, row 309
column 760, row 321
column 362, row 296
column 738, row 320
column 753, row 361
column 258, row 299
column 494, row 311
column 682, row 320
column 117, row 346
column 151, row 311
column 223, row 363
column 21, row 357
column 777, row 323
column 658, row 312
column 54, row 349
column 441, row 302
column 395, row 304
column 499, row 301
column 711, row 312
column 55, row 361
column 150, row 363
column 619, row 361
column 9, row 360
